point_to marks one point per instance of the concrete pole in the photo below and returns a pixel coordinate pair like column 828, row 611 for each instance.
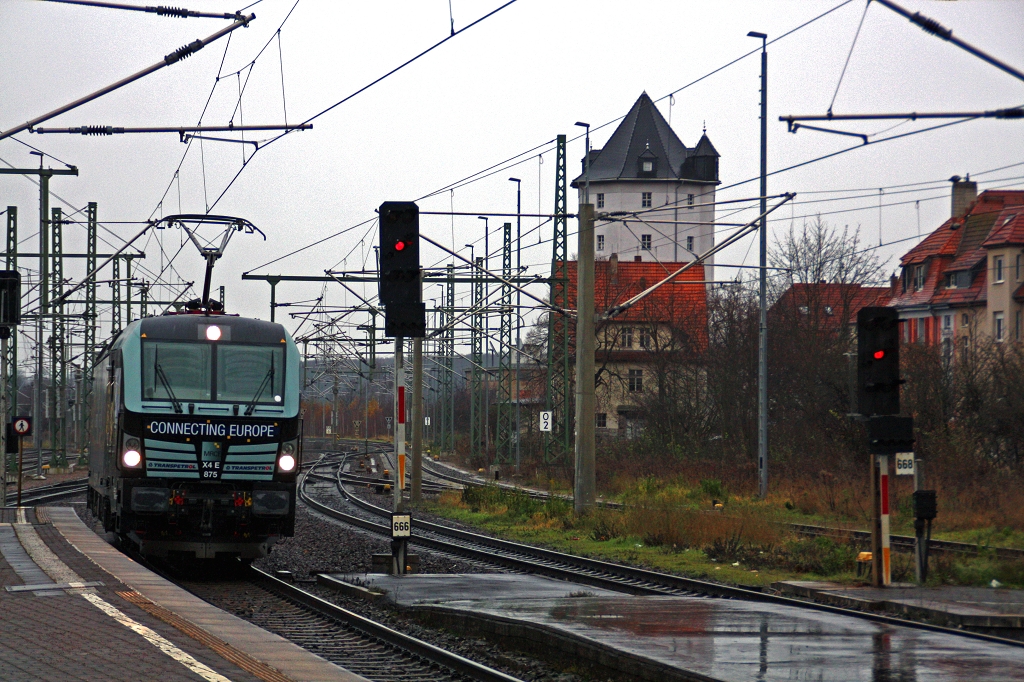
column 586, row 476
column 762, row 337
column 876, row 524
column 417, row 421
column 334, row 415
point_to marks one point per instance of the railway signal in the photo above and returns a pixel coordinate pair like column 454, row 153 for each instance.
column 878, row 361
column 401, row 289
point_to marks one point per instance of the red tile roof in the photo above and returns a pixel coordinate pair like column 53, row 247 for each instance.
column 681, row 305
column 830, row 305
column 1008, row 229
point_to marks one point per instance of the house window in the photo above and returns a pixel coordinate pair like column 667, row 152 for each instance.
column 602, row 420
column 645, row 200
column 947, row 321
column 600, row 242
column 828, row 310
column 1016, row 274
column 626, row 337
column 648, row 166
column 963, row 320
column 600, row 199
column 920, row 330
column 689, row 244
column 997, row 268
column 998, row 326
column 919, row 272
column 804, row 310
column 645, row 242
column 1017, row 326
column 646, row 341
column 689, row 200
column 636, row 381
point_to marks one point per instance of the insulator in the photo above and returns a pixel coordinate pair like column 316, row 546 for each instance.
column 171, row 11
column 184, row 52
column 97, row 130
column 931, row 26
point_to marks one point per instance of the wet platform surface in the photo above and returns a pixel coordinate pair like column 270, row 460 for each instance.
column 981, row 608
column 719, row 639
column 77, row 609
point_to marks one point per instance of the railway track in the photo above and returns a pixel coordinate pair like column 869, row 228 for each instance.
column 900, row 543
column 48, row 493
column 583, row 570
column 359, row 644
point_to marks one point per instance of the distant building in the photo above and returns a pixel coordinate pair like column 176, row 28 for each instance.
column 668, row 188
column 667, row 327
column 828, row 307
column 966, row 279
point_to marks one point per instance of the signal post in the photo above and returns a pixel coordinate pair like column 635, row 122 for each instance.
column 889, row 435
column 401, row 294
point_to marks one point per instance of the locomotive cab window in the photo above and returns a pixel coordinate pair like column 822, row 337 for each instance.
column 176, row 371
column 250, row 374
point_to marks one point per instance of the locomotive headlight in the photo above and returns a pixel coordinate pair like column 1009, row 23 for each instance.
column 131, row 458
column 286, row 463
column 132, row 443
column 213, row 332
column 288, row 448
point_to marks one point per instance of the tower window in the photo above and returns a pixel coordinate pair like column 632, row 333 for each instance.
column 689, row 243
column 645, row 242
column 600, row 199
column 600, row 242
column 689, row 200
column 645, row 200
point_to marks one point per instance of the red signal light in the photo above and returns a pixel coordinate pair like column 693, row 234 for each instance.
column 879, row 354
column 399, row 246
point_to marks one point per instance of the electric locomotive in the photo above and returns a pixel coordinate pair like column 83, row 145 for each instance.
column 196, row 438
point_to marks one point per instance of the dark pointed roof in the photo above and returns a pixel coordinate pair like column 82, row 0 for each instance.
column 642, row 133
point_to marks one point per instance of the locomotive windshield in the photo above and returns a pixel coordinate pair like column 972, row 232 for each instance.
column 238, row 373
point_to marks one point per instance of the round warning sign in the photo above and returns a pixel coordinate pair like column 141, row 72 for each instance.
column 22, row 426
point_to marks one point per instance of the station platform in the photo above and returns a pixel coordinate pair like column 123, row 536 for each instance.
column 998, row 612
column 74, row 608
column 689, row 638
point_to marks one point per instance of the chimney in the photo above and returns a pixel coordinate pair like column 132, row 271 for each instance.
column 894, row 282
column 964, row 193
column 613, row 269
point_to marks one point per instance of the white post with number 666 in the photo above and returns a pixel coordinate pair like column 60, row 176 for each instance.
column 401, row 525
column 904, row 463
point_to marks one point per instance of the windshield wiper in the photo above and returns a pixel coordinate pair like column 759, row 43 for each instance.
column 263, row 386
column 163, row 380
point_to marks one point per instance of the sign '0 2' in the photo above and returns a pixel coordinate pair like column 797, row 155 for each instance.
column 545, row 420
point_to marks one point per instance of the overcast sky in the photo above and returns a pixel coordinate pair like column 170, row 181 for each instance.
column 505, row 86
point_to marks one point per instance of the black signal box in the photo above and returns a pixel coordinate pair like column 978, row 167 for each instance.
column 401, row 288
column 878, row 361
column 10, row 297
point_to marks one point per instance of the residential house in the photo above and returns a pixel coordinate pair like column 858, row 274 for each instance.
column 633, row 349
column 964, row 280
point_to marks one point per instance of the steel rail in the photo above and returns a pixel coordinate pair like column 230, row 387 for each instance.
column 589, row 571
column 417, row 647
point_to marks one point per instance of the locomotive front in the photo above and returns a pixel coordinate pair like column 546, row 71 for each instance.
column 199, row 445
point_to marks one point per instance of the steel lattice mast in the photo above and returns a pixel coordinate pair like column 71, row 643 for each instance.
column 506, row 413
column 558, row 444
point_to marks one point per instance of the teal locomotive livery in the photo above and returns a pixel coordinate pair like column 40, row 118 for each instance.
column 196, row 437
